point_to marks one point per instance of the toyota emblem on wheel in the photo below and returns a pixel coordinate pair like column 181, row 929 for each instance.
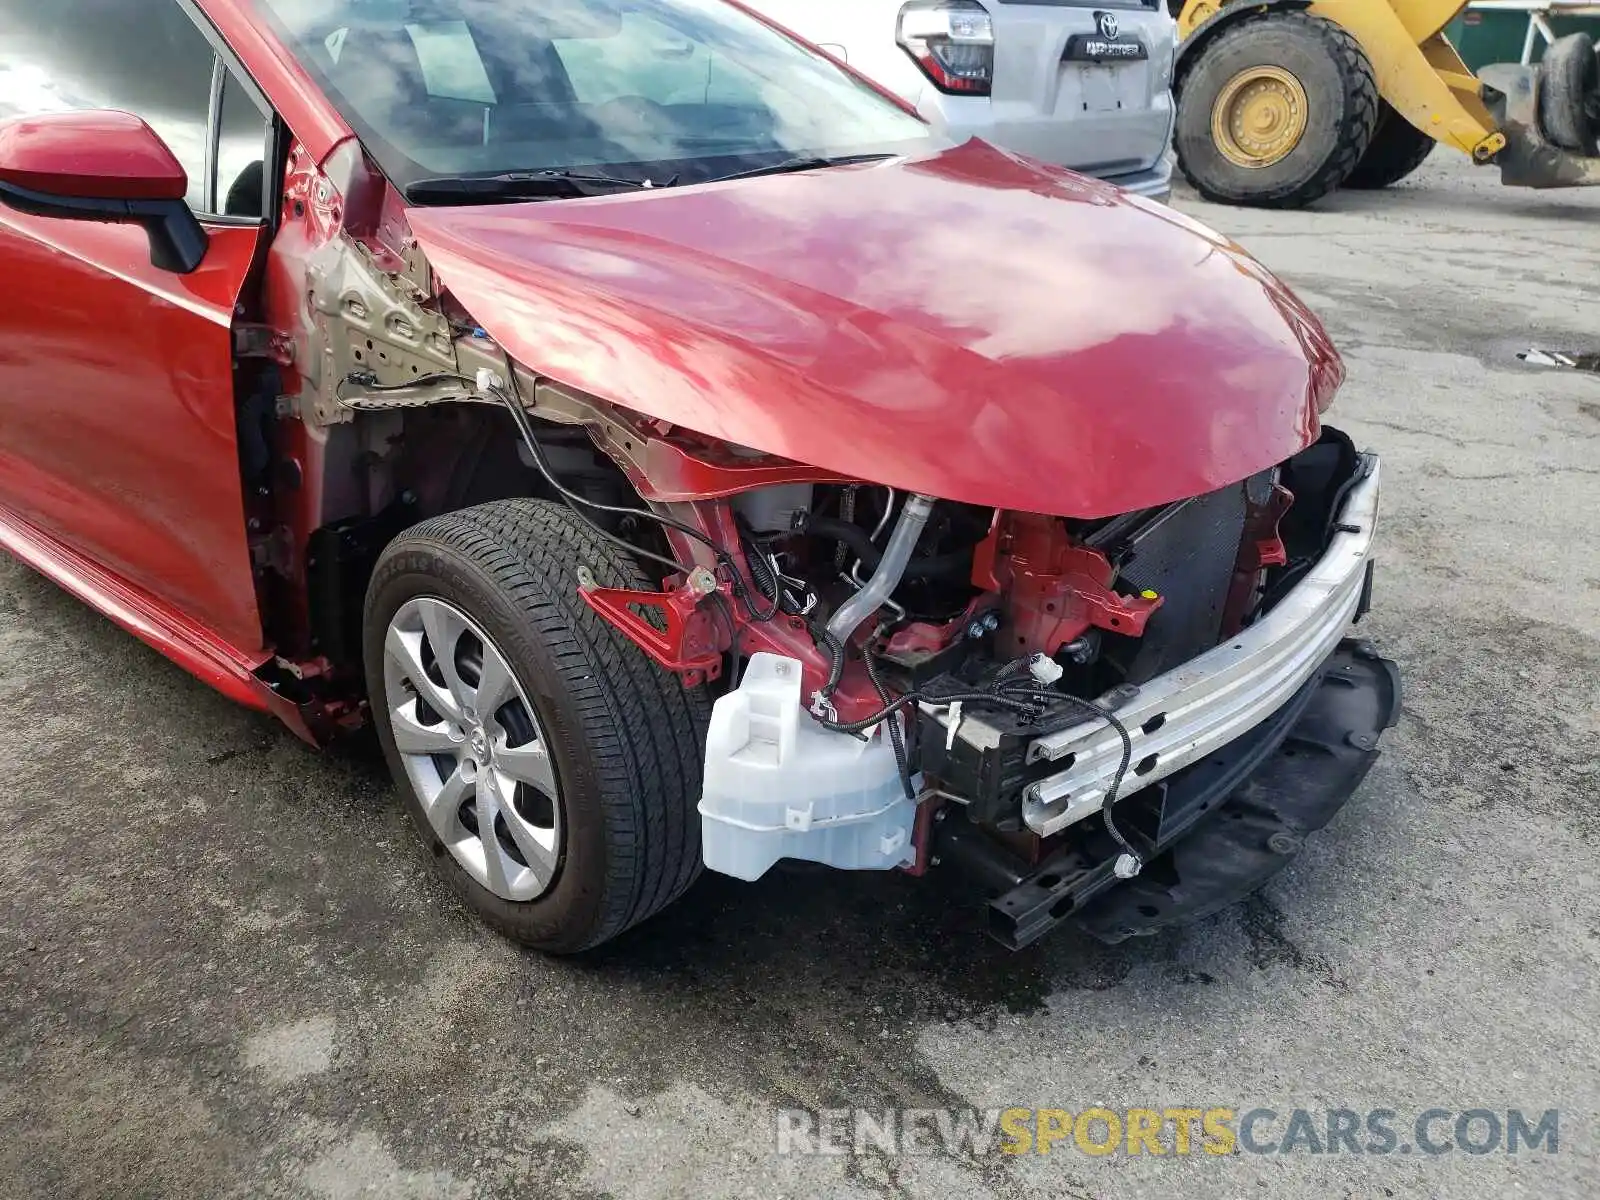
column 1108, row 25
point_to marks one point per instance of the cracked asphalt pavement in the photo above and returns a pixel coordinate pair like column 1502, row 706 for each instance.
column 225, row 969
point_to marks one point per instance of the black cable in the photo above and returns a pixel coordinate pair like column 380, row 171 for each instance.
column 624, row 544
column 835, row 649
column 725, row 560
column 760, row 569
column 1014, row 667
column 942, row 700
column 736, row 582
column 861, row 544
column 1018, row 699
column 1111, row 719
column 761, row 572
column 896, row 736
column 726, row 610
column 525, row 428
column 520, row 418
column 369, row 381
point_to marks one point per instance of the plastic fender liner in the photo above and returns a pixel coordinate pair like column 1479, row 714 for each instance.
column 1263, row 823
column 1225, row 824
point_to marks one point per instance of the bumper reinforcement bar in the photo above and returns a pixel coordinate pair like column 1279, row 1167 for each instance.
column 1188, row 713
column 1210, row 834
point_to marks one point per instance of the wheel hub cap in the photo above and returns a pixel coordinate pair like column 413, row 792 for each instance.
column 1259, row 117
column 473, row 749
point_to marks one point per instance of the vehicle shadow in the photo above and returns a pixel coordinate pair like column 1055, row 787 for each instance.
column 916, row 946
column 821, row 928
column 883, row 942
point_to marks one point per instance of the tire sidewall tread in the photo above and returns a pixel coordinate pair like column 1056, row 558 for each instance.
column 1397, row 149
column 1568, row 73
column 626, row 736
column 1316, row 166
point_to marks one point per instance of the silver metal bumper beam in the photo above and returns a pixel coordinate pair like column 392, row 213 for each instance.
column 1196, row 709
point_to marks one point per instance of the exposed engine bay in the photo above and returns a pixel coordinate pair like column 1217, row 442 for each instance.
column 999, row 644
column 890, row 662
column 903, row 680
column 900, row 680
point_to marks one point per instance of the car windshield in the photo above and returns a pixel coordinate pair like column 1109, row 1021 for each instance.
column 665, row 90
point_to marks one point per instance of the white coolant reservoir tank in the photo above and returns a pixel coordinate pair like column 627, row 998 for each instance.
column 779, row 785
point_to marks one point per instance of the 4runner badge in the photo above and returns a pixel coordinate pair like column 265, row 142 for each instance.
column 1106, row 44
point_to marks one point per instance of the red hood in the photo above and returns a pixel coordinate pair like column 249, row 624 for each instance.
column 968, row 325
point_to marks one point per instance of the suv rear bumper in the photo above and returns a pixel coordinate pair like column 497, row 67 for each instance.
column 1153, row 183
column 1110, row 120
column 1130, row 150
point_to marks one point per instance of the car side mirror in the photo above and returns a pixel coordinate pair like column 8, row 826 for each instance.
column 102, row 166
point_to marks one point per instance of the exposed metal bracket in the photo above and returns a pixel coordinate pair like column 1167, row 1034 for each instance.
column 370, row 320
column 262, row 341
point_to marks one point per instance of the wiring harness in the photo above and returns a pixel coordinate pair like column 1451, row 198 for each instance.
column 1022, row 696
column 1006, row 691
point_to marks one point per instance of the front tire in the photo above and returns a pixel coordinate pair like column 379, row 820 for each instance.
column 1276, row 111
column 551, row 768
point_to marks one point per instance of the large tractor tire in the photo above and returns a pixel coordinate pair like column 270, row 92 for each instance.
column 1569, row 90
column 1275, row 111
column 1398, row 148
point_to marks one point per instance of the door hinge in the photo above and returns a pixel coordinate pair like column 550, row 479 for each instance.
column 262, row 341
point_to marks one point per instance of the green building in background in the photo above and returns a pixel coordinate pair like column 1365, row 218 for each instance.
column 1497, row 30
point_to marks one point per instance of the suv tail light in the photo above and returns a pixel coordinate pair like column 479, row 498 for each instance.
column 952, row 41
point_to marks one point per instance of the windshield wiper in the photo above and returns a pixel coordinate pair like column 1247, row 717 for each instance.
column 534, row 185
column 808, row 162
column 521, row 185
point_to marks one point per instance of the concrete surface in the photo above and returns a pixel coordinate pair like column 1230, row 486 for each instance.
column 225, row 969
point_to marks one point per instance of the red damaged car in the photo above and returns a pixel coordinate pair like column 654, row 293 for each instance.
column 681, row 453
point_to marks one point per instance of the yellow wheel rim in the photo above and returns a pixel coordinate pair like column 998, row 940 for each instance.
column 1259, row 117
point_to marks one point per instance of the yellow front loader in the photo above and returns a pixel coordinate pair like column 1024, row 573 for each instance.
column 1281, row 101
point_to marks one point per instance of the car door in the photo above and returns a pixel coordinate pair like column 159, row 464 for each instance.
column 117, row 411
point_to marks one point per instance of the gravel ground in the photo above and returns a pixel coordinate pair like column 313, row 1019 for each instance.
column 226, row 970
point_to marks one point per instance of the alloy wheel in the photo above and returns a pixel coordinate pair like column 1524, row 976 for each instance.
column 473, row 749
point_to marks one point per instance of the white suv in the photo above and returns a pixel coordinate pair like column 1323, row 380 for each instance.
column 1083, row 85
